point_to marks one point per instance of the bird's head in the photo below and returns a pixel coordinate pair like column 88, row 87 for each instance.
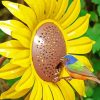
column 69, row 59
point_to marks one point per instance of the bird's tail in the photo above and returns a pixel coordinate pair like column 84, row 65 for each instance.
column 94, row 79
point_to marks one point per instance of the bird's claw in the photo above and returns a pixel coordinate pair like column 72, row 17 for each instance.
column 69, row 78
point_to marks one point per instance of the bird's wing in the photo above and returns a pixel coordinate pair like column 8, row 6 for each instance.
column 80, row 68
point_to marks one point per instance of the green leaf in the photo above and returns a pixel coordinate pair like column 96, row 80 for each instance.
column 70, row 1
column 96, row 63
column 94, row 34
column 96, row 47
column 83, row 12
column 2, row 35
column 94, row 16
column 98, row 9
column 96, row 1
column 99, row 53
column 88, row 99
column 83, row 3
column 11, row 82
column 89, row 91
column 96, row 95
column 96, row 28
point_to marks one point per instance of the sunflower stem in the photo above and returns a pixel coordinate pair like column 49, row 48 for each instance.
column 80, row 97
column 3, row 86
column 2, row 59
column 20, row 1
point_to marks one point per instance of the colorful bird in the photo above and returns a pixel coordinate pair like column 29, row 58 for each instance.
column 77, row 69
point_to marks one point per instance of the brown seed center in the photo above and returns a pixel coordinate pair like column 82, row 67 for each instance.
column 47, row 49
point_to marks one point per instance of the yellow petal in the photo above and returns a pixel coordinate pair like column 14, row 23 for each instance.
column 39, row 92
column 71, row 15
column 57, row 7
column 26, row 81
column 27, row 97
column 24, row 62
column 47, row 6
column 10, row 48
column 50, row 6
column 22, row 59
column 22, row 12
column 10, row 71
column 78, row 28
column 79, row 46
column 17, row 30
column 84, row 60
column 47, row 92
column 79, row 86
column 38, row 7
column 57, row 93
column 64, row 72
column 34, row 90
column 12, row 94
column 66, row 90
column 62, row 9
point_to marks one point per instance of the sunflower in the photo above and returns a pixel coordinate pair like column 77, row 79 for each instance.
column 44, row 32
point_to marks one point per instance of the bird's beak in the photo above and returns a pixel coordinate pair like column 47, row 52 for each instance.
column 62, row 59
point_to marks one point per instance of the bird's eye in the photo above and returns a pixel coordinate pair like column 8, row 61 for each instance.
column 67, row 59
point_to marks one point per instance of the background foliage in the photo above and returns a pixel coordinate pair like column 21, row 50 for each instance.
column 88, row 6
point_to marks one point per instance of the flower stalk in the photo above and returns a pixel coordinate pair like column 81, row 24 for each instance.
column 20, row 1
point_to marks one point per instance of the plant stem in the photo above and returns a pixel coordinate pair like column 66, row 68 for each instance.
column 80, row 97
column 20, row 1
column 3, row 86
column 2, row 59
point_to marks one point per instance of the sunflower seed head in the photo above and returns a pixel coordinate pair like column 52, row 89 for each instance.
column 48, row 47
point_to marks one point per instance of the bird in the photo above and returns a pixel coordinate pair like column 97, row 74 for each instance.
column 77, row 69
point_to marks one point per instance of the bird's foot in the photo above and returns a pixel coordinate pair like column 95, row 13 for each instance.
column 69, row 78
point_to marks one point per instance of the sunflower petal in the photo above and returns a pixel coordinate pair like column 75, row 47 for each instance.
column 24, row 62
column 79, row 46
column 10, row 71
column 71, row 14
column 50, row 6
column 62, row 9
column 26, row 81
column 84, row 60
column 10, row 48
column 22, row 12
column 27, row 97
column 39, row 92
column 78, row 28
column 22, row 59
column 17, row 30
column 79, row 86
column 74, row 83
column 47, row 6
column 12, row 94
column 38, row 7
column 66, row 90
column 47, row 92
column 64, row 72
column 57, row 93
column 34, row 91
column 57, row 7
